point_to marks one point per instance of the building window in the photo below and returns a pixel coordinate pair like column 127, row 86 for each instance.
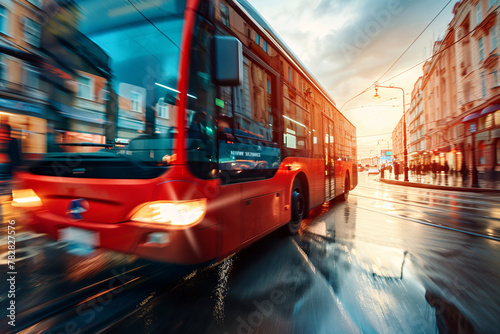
column 481, row 124
column 268, row 86
column 257, row 39
column 85, row 88
column 31, row 78
column 224, row 14
column 3, row 19
column 104, row 94
column 488, row 121
column 467, row 92
column 481, row 49
column 32, row 32
column 483, row 85
column 264, row 45
column 478, row 13
column 135, row 97
column 289, row 74
column 493, row 39
column 248, row 31
column 494, row 78
column 497, row 117
column 162, row 108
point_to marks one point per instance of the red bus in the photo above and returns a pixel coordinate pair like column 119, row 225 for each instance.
column 187, row 130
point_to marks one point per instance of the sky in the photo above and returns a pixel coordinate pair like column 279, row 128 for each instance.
column 350, row 44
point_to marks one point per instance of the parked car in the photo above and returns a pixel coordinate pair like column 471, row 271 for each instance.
column 373, row 171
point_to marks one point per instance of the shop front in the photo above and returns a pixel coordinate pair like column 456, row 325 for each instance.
column 28, row 125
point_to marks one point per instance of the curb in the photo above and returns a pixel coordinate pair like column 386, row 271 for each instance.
column 433, row 186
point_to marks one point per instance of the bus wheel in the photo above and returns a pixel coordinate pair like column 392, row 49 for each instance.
column 347, row 187
column 298, row 207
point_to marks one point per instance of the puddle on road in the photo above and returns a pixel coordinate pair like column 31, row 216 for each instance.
column 378, row 285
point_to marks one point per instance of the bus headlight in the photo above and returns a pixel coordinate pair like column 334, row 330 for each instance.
column 175, row 213
column 25, row 198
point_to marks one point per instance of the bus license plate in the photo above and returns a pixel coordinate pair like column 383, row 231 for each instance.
column 80, row 241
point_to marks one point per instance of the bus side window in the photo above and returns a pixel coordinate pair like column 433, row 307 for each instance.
column 244, row 127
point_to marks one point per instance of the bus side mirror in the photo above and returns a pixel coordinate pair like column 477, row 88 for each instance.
column 228, row 61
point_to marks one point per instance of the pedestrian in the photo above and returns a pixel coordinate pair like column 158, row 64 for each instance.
column 464, row 171
column 434, row 169
column 10, row 156
column 396, row 170
column 446, row 169
column 492, row 177
column 418, row 171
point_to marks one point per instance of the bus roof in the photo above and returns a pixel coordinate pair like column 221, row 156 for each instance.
column 265, row 26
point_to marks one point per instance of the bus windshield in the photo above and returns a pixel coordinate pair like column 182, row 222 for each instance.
column 121, row 62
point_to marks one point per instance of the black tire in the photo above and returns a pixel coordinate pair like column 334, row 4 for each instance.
column 347, row 188
column 298, row 207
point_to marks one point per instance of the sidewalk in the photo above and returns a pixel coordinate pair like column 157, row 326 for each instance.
column 444, row 182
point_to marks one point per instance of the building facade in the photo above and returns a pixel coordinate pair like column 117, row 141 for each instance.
column 479, row 88
column 397, row 142
column 23, row 94
column 455, row 107
column 415, row 119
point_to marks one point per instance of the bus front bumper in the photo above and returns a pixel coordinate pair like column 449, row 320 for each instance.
column 182, row 246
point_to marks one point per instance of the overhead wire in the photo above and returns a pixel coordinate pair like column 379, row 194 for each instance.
column 377, row 135
column 394, row 63
column 438, row 52
column 154, row 25
column 404, row 52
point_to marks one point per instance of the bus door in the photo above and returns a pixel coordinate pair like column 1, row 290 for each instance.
column 329, row 158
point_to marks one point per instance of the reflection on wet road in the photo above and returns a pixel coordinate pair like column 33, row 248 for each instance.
column 379, row 263
column 477, row 214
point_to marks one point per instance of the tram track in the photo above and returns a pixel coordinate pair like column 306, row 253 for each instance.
column 423, row 222
column 421, row 204
column 441, row 195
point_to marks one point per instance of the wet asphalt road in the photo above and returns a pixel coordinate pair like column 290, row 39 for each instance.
column 390, row 260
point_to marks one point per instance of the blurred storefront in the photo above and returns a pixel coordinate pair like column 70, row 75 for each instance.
column 455, row 106
column 28, row 124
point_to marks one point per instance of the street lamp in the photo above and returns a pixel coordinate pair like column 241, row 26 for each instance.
column 405, row 150
column 475, row 178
